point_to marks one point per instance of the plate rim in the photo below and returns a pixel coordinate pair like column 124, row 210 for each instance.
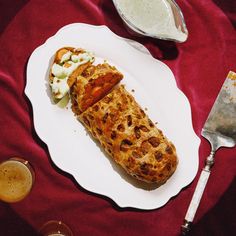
column 145, row 51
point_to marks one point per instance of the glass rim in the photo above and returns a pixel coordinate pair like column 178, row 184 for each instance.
column 49, row 228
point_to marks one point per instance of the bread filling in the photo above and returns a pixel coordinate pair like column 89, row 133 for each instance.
column 61, row 72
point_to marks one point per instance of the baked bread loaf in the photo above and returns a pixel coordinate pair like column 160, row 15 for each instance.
column 111, row 114
column 92, row 85
column 130, row 137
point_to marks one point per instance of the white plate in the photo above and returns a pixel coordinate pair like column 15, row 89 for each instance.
column 70, row 146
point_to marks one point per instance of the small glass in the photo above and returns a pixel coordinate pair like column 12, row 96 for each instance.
column 55, row 228
column 16, row 179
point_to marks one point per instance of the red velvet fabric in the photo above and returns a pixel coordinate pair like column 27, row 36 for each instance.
column 200, row 66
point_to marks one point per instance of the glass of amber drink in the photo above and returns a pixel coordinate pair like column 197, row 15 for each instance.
column 16, row 179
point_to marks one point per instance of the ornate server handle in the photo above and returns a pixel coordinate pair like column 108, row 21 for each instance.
column 198, row 194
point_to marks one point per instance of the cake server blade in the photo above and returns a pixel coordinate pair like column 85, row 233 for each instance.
column 220, row 130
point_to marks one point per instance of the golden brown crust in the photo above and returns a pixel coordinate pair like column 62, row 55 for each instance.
column 130, row 137
column 92, row 85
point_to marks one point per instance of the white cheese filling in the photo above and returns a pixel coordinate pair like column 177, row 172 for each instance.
column 66, row 57
column 61, row 73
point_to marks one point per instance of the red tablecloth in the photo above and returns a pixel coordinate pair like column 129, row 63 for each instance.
column 200, row 66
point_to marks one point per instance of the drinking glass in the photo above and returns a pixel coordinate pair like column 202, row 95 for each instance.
column 55, row 228
column 16, row 179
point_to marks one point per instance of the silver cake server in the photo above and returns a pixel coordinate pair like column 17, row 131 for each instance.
column 220, row 131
